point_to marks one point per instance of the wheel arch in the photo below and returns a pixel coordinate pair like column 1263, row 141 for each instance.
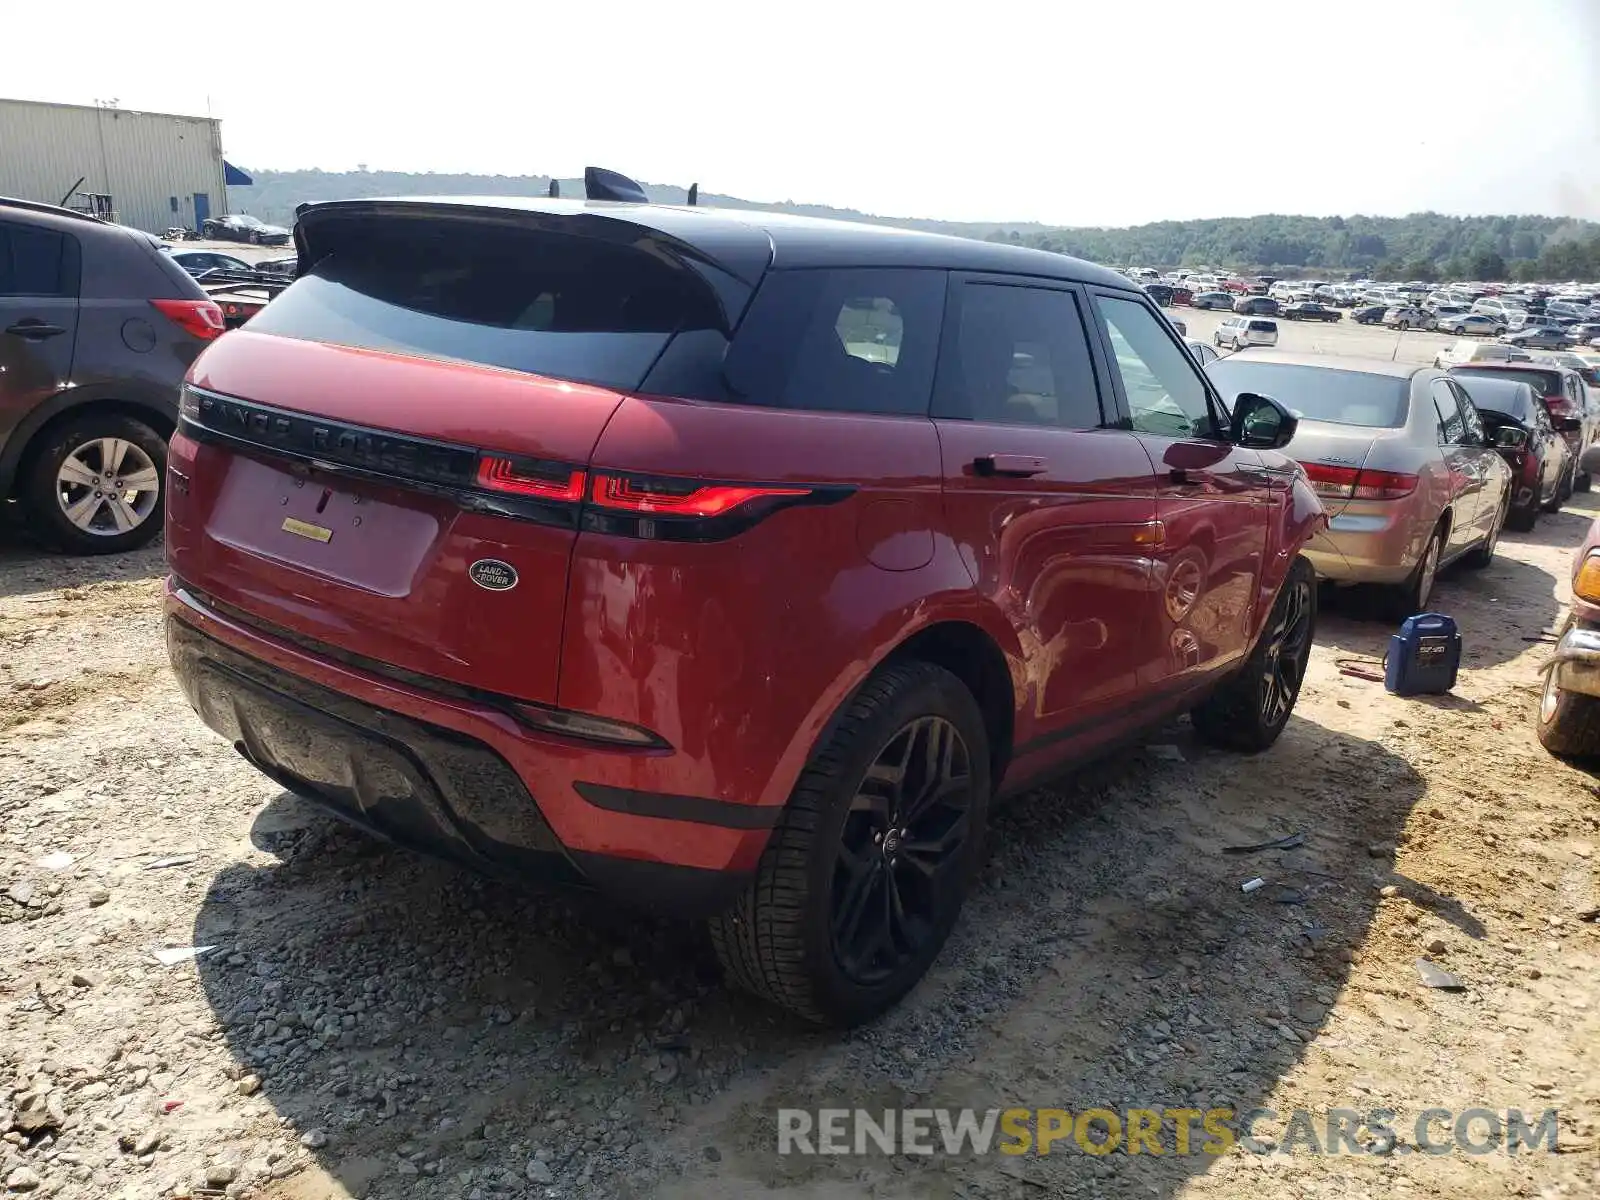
column 970, row 654
column 152, row 406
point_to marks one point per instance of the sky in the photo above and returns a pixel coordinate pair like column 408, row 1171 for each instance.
column 1071, row 113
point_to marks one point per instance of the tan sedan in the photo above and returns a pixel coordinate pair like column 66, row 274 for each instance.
column 1399, row 457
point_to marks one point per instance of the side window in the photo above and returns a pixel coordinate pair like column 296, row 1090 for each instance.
column 859, row 340
column 1472, row 421
column 1019, row 356
column 1166, row 394
column 32, row 262
column 1451, row 425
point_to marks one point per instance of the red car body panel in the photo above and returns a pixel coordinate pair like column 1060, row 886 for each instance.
column 386, row 586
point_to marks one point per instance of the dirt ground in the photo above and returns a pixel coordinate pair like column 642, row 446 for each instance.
column 369, row 1024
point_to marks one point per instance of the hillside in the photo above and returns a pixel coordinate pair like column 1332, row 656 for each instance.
column 1418, row 246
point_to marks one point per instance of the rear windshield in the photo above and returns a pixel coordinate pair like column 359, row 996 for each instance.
column 1508, row 397
column 1263, row 327
column 1546, row 383
column 550, row 304
column 1317, row 393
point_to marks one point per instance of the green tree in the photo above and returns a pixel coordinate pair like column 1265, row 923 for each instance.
column 1421, row 268
column 1486, row 264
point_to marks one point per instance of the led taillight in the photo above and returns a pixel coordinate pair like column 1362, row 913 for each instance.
column 202, row 318
column 558, row 483
column 679, row 499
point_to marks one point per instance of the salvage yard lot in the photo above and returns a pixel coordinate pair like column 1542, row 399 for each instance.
column 367, row 1023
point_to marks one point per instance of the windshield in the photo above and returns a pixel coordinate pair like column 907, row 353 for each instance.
column 1317, row 393
column 1504, row 396
column 247, row 221
column 569, row 307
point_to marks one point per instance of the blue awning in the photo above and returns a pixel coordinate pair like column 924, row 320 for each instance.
column 233, row 177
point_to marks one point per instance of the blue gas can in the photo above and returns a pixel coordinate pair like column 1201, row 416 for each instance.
column 1424, row 656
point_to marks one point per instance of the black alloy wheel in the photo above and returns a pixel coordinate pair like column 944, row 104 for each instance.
column 1288, row 649
column 903, row 835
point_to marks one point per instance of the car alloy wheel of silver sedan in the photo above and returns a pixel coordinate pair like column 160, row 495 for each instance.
column 108, row 486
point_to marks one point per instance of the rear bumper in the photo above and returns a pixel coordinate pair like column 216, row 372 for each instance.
column 1577, row 660
column 456, row 780
column 1371, row 544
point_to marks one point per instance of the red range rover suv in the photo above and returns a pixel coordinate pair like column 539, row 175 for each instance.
column 726, row 562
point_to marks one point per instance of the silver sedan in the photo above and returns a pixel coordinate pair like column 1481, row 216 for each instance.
column 1400, row 458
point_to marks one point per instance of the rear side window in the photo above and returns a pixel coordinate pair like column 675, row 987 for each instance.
column 847, row 340
column 33, row 262
column 1452, row 427
column 1019, row 356
column 550, row 304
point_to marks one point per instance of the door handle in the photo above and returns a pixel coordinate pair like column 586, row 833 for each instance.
column 1015, row 466
column 34, row 331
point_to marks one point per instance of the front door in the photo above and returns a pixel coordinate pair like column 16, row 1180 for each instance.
column 1211, row 499
column 1053, row 507
column 38, row 317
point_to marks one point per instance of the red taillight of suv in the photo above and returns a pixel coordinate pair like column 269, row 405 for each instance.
column 548, row 482
column 680, row 498
column 203, row 318
column 1352, row 483
column 636, row 496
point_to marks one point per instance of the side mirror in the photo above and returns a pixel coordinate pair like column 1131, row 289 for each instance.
column 1261, row 423
column 1568, row 424
column 1509, row 437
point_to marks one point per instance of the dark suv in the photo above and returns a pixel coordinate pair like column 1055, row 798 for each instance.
column 97, row 327
column 728, row 562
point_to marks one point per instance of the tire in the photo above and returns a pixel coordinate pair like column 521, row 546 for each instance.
column 1583, row 482
column 1402, row 326
column 1412, row 596
column 1481, row 555
column 46, row 493
column 1522, row 520
column 1568, row 723
column 779, row 938
column 1249, row 711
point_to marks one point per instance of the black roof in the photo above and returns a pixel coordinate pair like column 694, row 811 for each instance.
column 746, row 242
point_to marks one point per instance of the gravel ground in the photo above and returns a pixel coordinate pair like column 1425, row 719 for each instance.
column 370, row 1024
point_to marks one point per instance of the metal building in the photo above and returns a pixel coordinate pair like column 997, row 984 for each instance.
column 148, row 170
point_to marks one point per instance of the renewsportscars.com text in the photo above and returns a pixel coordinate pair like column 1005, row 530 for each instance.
column 1159, row 1131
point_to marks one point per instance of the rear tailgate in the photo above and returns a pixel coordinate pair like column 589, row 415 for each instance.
column 383, row 463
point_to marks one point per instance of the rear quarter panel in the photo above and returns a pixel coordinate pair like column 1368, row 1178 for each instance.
column 739, row 652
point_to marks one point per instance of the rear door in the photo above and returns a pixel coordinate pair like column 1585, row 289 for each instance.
column 1054, row 505
column 1212, row 496
column 38, row 316
column 1463, row 460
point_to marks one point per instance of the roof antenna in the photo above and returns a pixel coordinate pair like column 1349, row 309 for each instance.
column 694, row 194
column 600, row 184
column 554, row 190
